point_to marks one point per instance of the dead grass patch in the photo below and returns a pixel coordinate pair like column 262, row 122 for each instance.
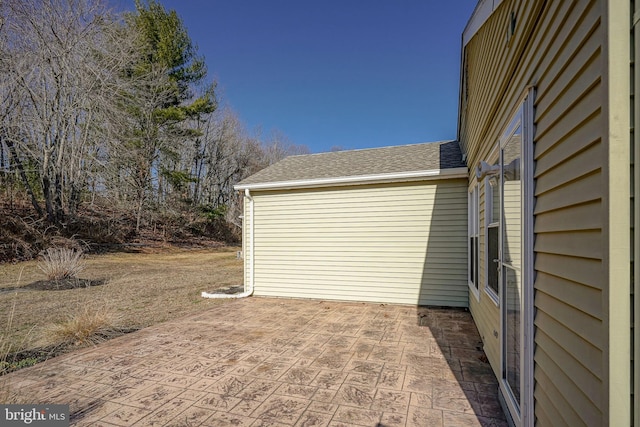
column 87, row 325
column 139, row 289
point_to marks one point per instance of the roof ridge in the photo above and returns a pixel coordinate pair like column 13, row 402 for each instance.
column 374, row 148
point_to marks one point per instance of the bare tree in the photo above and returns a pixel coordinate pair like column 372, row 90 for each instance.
column 225, row 157
column 94, row 104
column 278, row 146
column 52, row 57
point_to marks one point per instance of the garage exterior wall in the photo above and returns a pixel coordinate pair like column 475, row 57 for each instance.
column 397, row 243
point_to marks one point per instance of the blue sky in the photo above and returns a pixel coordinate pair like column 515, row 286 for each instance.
column 348, row 73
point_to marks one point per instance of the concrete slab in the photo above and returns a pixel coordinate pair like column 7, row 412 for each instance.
column 279, row 362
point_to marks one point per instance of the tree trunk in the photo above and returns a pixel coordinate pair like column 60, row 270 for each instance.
column 48, row 199
column 57, row 200
column 74, row 199
column 23, row 176
column 139, row 210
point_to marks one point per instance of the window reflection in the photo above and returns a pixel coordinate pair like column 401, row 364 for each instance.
column 512, row 330
column 511, row 259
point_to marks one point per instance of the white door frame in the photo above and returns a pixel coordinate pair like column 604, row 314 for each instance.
column 521, row 412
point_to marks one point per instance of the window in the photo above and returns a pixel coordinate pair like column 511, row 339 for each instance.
column 473, row 241
column 492, row 190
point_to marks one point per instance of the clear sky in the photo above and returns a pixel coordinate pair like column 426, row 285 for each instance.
column 348, row 73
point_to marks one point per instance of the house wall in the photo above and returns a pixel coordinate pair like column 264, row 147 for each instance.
column 398, row 243
column 558, row 47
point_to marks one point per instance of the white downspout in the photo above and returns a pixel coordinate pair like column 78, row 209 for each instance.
column 248, row 289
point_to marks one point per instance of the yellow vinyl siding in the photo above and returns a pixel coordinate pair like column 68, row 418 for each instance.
column 397, row 243
column 557, row 47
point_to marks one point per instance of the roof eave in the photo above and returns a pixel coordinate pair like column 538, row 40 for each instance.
column 483, row 10
column 425, row 175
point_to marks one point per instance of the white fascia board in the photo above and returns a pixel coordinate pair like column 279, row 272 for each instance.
column 362, row 179
column 481, row 13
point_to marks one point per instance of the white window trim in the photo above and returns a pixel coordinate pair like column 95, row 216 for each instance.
column 488, row 206
column 473, row 229
column 494, row 155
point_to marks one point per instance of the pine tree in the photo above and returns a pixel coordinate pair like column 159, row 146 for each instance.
column 162, row 104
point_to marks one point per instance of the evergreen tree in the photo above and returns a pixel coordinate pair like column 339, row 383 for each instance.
column 162, row 104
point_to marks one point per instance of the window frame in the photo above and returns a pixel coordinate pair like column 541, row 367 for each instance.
column 490, row 222
column 473, row 247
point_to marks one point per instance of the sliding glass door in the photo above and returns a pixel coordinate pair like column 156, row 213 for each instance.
column 515, row 263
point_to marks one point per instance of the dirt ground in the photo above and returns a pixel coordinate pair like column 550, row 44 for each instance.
column 140, row 288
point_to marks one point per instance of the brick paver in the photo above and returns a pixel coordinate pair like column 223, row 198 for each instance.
column 279, row 362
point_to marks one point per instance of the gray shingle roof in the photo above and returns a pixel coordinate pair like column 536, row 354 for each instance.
column 353, row 163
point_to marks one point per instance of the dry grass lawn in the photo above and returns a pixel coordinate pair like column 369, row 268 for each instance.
column 140, row 289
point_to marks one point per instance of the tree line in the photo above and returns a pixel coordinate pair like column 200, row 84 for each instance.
column 115, row 110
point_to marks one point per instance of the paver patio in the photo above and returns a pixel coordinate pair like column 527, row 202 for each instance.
column 279, row 362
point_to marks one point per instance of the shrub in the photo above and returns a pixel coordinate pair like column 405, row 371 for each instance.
column 213, row 213
column 61, row 263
